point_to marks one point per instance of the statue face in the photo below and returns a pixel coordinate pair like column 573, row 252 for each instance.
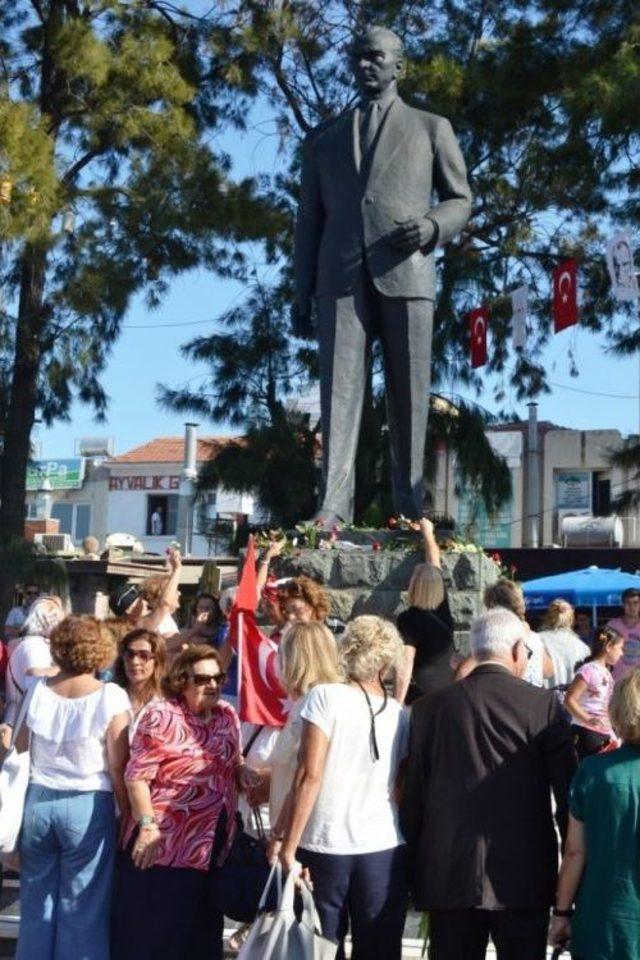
column 376, row 63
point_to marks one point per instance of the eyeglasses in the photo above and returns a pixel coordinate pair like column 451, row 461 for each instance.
column 144, row 655
column 202, row 679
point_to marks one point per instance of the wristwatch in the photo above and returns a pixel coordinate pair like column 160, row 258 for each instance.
column 147, row 821
column 562, row 913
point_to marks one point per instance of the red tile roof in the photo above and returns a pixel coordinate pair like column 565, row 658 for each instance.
column 171, row 450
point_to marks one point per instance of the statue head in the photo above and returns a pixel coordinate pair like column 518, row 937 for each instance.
column 377, row 58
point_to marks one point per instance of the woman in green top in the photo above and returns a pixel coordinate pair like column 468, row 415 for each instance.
column 601, row 865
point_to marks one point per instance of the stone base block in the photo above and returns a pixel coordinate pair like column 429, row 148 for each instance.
column 362, row 580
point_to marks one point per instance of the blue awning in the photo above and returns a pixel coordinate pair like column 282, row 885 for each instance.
column 582, row 588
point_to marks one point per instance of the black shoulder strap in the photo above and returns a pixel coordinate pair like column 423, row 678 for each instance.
column 252, row 739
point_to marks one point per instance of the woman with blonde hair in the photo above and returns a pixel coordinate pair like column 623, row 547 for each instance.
column 426, row 628
column 307, row 656
column 564, row 647
column 599, row 873
column 343, row 817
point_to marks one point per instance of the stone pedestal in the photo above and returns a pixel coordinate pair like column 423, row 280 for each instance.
column 362, row 580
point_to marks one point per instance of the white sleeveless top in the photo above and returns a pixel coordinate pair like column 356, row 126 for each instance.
column 68, row 736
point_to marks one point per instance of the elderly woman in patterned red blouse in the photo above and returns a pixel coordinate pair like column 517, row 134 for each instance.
column 182, row 779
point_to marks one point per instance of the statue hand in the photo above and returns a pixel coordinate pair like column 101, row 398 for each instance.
column 412, row 235
column 301, row 320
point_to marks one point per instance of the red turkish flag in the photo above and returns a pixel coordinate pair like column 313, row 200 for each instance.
column 261, row 698
column 247, row 592
column 565, row 295
column 478, row 322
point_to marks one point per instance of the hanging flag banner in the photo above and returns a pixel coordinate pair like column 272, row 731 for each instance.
column 478, row 321
column 519, row 308
column 622, row 269
column 565, row 295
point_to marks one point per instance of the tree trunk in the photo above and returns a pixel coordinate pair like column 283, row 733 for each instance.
column 21, row 410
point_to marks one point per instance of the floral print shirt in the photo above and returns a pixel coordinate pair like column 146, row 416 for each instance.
column 190, row 765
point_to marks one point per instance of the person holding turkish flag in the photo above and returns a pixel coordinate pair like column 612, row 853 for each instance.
column 565, row 295
column 478, row 323
column 261, row 698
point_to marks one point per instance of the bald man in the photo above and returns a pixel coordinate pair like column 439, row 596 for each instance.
column 366, row 232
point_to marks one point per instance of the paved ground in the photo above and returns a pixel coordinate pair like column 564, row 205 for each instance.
column 9, row 920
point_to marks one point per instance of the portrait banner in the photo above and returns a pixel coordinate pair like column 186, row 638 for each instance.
column 622, row 269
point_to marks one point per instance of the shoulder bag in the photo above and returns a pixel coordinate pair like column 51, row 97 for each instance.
column 281, row 934
column 14, row 780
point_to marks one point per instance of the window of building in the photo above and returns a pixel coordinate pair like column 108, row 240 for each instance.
column 74, row 518
column 601, row 494
column 162, row 515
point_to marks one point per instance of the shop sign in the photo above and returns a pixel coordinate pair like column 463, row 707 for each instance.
column 146, row 482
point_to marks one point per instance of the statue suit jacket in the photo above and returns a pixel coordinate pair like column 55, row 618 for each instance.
column 347, row 207
column 476, row 811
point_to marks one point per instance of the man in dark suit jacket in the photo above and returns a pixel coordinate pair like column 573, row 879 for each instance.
column 477, row 804
column 364, row 249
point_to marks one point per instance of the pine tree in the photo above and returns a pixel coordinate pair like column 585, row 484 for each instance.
column 108, row 187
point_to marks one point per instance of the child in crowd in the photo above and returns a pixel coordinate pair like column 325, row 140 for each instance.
column 588, row 696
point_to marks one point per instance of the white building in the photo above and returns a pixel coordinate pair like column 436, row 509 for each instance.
column 576, row 479
column 143, row 489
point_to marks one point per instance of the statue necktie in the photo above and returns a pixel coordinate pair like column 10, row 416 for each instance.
column 369, row 128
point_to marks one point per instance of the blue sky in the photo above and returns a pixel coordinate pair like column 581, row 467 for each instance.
column 606, row 394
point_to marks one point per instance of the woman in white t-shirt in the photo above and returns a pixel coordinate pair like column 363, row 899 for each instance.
column 68, row 838
column 343, row 821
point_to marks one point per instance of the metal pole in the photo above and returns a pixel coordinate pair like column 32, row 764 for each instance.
column 533, row 478
column 187, row 489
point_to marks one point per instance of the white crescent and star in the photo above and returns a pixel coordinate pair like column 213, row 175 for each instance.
column 565, row 275
column 480, row 323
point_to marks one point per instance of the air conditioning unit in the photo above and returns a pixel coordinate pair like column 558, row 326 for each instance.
column 55, row 542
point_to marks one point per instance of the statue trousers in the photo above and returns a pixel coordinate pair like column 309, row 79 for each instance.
column 348, row 325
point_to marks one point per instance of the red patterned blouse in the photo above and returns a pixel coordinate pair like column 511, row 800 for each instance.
column 189, row 764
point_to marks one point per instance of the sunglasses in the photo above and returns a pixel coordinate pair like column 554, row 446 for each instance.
column 202, row 679
column 144, row 655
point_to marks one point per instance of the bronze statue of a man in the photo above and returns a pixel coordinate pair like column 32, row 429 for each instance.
column 365, row 235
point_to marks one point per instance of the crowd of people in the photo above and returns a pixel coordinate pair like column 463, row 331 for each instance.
column 404, row 770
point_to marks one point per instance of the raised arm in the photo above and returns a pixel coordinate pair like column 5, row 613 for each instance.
column 431, row 548
column 273, row 550
column 166, row 603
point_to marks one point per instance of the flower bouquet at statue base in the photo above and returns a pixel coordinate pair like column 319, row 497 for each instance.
column 279, row 934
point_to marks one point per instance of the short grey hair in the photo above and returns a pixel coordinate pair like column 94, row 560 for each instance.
column 374, row 29
column 495, row 633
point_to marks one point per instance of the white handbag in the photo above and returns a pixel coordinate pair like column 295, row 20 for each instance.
column 279, row 935
column 14, row 780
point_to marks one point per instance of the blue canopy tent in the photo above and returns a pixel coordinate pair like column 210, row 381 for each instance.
column 593, row 587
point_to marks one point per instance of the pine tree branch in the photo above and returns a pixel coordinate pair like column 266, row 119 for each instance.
column 283, row 84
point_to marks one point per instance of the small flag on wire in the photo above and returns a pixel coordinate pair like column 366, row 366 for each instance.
column 622, row 269
column 565, row 295
column 519, row 308
column 478, row 321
